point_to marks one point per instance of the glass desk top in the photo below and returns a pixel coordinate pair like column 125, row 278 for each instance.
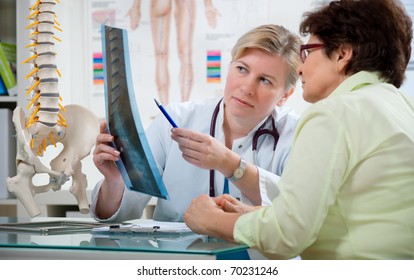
column 75, row 234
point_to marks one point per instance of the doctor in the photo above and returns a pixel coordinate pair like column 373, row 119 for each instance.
column 238, row 144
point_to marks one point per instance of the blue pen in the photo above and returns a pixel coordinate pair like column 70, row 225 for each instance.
column 165, row 113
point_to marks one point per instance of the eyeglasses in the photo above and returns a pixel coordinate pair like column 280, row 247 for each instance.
column 304, row 50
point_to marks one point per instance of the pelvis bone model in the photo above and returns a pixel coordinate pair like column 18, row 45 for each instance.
column 48, row 122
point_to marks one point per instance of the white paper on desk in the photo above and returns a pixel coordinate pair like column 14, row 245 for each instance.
column 145, row 227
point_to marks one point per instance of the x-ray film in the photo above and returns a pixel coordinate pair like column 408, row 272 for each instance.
column 136, row 163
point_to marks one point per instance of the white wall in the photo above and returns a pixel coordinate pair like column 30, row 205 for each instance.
column 408, row 85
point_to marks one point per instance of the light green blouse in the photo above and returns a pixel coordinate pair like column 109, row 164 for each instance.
column 347, row 191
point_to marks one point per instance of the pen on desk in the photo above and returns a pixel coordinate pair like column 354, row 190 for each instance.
column 165, row 113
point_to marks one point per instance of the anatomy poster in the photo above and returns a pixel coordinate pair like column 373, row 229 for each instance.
column 180, row 50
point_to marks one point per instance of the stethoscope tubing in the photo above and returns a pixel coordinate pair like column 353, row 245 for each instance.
column 259, row 132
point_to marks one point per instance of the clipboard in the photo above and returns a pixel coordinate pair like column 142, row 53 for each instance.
column 50, row 227
column 153, row 228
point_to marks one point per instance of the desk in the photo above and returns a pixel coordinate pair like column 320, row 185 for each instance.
column 85, row 245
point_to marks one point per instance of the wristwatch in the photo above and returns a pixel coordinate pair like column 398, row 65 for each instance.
column 239, row 172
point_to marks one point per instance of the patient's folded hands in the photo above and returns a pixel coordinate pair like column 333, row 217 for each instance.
column 232, row 205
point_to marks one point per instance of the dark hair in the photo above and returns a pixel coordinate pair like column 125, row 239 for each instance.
column 380, row 33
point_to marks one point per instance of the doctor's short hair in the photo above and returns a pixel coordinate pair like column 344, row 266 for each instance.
column 273, row 39
column 379, row 32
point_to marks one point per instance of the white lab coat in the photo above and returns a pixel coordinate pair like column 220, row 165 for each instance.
column 185, row 181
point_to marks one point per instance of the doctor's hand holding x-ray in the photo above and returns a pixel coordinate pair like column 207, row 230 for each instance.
column 236, row 145
column 104, row 157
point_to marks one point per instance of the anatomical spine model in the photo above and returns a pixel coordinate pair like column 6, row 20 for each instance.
column 48, row 122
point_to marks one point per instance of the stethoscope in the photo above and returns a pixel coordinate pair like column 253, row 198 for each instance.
column 259, row 132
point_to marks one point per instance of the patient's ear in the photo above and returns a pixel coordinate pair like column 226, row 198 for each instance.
column 344, row 55
column 285, row 97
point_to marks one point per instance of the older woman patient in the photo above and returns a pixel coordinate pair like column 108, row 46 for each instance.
column 348, row 189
